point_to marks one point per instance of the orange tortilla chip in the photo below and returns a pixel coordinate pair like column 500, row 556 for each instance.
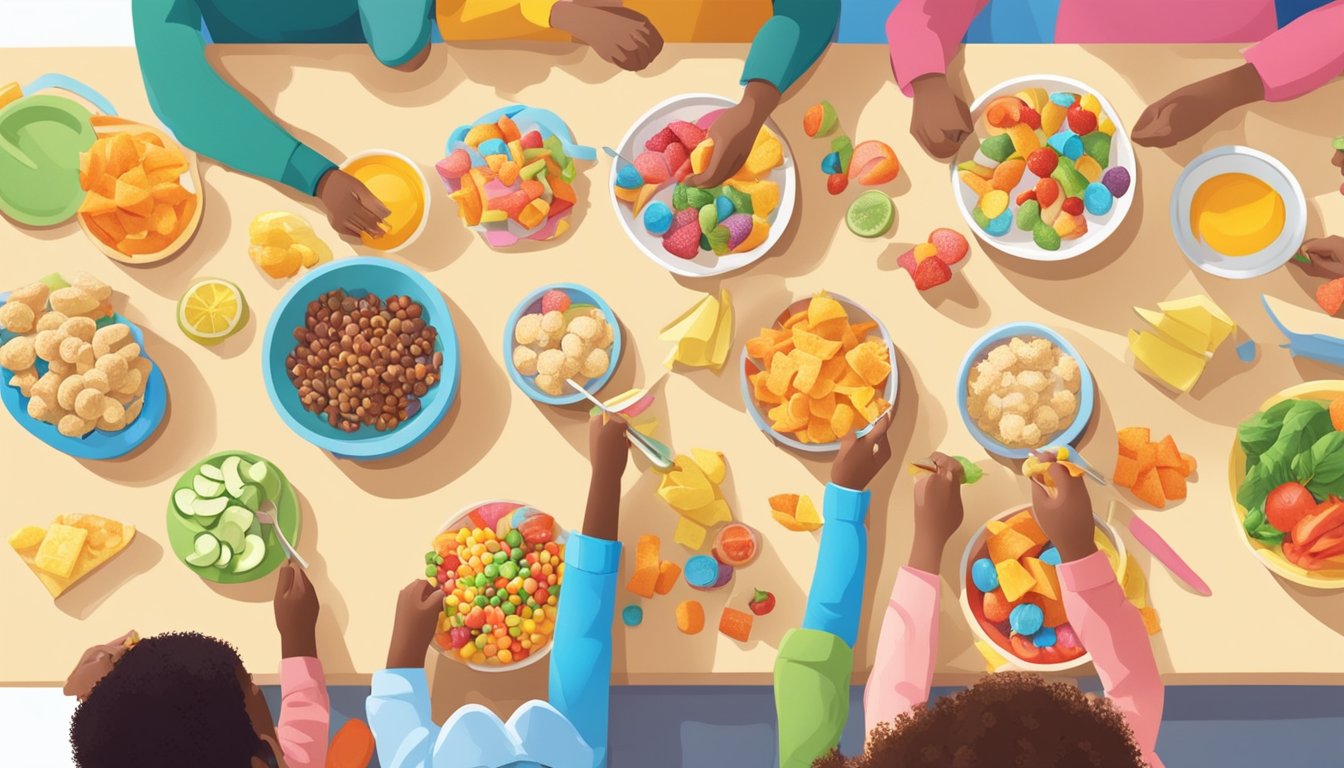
column 169, row 192
column 823, row 308
column 165, row 175
column 119, row 153
column 185, row 210
column 149, row 243
column 809, row 366
column 782, row 369
column 95, row 204
column 135, row 226
column 163, row 219
column 92, row 166
column 795, row 319
column 110, row 223
column 862, row 329
column 149, row 137
column 158, row 158
column 865, row 362
column 813, row 344
column 105, row 185
column 842, row 419
column 761, row 391
column 822, row 407
column 135, row 177
column 831, row 330
column 819, row 430
column 133, row 199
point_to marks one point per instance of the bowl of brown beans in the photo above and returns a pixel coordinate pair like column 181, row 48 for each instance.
column 360, row 358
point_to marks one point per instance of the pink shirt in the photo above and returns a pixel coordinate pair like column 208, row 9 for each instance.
column 925, row 34
column 1107, row 624
column 305, row 713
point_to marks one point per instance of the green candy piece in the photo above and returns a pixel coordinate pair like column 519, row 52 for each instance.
column 970, row 471
column 698, row 198
column 679, row 202
column 981, row 220
column 557, row 148
column 1045, row 236
column 1028, row 214
column 704, row 243
column 741, row 200
column 1069, row 178
column 997, row 148
column 533, row 168
column 718, row 238
column 1338, row 143
column 842, row 146
column 1098, row 146
column 569, row 172
column 709, row 219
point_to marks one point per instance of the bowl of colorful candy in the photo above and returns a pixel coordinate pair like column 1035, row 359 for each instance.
column 700, row 232
column 500, row 565
column 1011, row 596
column 1050, row 173
column 511, row 174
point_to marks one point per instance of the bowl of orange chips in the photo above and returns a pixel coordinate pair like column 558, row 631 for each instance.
column 144, row 192
column 825, row 368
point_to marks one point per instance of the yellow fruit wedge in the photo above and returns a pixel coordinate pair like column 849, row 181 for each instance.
column 1174, row 365
column 1196, row 312
column 1196, row 340
column 211, row 311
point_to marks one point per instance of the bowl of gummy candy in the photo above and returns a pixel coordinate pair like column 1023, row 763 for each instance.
column 500, row 565
column 1049, row 173
column 1011, row 596
column 700, row 232
column 511, row 173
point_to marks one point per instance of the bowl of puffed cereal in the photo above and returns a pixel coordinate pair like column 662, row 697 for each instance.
column 559, row 332
column 1023, row 387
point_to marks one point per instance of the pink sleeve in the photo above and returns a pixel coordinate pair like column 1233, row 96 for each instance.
column 305, row 713
column 1302, row 56
column 1113, row 633
column 924, row 35
column 906, row 649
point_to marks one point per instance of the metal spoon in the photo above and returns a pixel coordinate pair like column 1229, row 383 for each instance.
column 266, row 516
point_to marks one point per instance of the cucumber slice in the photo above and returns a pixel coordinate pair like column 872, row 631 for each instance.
column 231, row 534
column 212, row 472
column 243, row 518
column 184, row 499
column 205, row 551
column 264, row 475
column 233, row 478
column 254, row 551
column 207, row 488
column 225, row 556
column 209, row 507
column 250, row 497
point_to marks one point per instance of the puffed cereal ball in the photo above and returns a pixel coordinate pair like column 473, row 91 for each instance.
column 113, row 417
column 73, row 301
column 115, row 367
column 50, row 321
column 89, row 405
column 994, row 407
column 550, row 384
column 61, row 368
column 1066, row 370
column 111, row 338
column 1064, row 403
column 1002, row 358
column 572, row 345
column 1046, row 418
column 550, row 362
column 569, row 368
column 596, row 363
column 44, row 411
column 18, row 354
column 70, row 347
column 1011, row 427
column 1031, row 435
column 525, row 332
column 35, row 296
column 68, row 391
column 1015, row 402
column 553, row 323
column 17, row 317
column 97, row 381
column 1006, row 381
column 132, row 383
column 1033, row 380
column 129, row 352
column 47, row 386
column 525, row 360
column 83, row 328
column 24, row 380
column 586, row 328
column 71, row 425
column 95, row 287
column 48, row 344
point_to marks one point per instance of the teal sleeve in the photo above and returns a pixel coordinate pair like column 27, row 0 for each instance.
column 580, row 674
column 812, row 674
column 398, row 712
column 203, row 111
column 791, row 41
column 835, row 601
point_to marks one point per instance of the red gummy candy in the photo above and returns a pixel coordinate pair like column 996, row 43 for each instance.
column 676, row 155
column 836, row 183
column 1031, row 117
column 660, row 140
column 1331, row 296
column 932, row 273
column 1030, row 194
column 1046, row 192
column 683, row 242
column 1073, row 205
column 554, row 301
column 1081, row 121
column 1042, row 162
column 950, row 244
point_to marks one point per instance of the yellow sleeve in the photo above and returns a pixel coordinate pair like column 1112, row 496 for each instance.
column 461, row 20
column 538, row 11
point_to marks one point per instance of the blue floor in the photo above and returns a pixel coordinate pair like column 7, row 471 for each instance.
column 662, row 727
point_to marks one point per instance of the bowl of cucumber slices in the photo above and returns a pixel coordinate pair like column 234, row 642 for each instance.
column 212, row 517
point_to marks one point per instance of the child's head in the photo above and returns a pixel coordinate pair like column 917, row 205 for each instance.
column 172, row 700
column 1006, row 719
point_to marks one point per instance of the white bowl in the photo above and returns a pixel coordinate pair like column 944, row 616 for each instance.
column 1017, row 242
column 691, row 107
column 1237, row 159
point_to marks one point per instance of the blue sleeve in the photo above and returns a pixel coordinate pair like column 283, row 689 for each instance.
column 835, row 601
column 791, row 41
column 580, row 681
column 398, row 712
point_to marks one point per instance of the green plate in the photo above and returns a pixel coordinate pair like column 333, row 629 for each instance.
column 182, row 530
column 41, row 138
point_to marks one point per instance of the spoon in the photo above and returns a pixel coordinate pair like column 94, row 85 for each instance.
column 658, row 453
column 266, row 516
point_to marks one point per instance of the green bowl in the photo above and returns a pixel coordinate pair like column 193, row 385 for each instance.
column 182, row 531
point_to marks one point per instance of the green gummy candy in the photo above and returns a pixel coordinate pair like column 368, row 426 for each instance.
column 997, row 148
column 1338, row 143
column 970, row 471
column 679, row 194
column 698, row 198
column 1069, row 178
column 533, row 168
column 709, row 219
column 1098, row 145
column 1027, row 215
column 718, row 238
column 1045, row 236
column 741, row 200
column 557, row 148
column 829, row 119
column 842, row 146
column 704, row 243
column 569, row 171
column 981, row 220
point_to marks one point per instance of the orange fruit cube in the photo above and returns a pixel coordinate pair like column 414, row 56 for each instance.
column 1148, row 489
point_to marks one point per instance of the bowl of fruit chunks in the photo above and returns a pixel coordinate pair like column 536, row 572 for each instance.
column 1048, row 174
column 1011, row 596
column 500, row 565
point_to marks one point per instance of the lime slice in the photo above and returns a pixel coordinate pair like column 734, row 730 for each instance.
column 1338, row 143
column 871, row 214
column 211, row 311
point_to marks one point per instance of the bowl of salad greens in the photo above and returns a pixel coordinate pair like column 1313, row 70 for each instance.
column 1287, row 475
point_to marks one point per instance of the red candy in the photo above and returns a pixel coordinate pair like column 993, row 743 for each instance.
column 1031, row 117
column 1042, row 162
column 996, row 606
column 1046, row 192
column 1073, row 206
column 1081, row 121
column 1030, row 194
column 836, row 183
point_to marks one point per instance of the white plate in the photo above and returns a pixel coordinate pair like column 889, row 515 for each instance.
column 1017, row 242
column 1237, row 159
column 691, row 107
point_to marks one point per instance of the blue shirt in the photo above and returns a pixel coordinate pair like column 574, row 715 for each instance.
column 835, row 602
column 568, row 732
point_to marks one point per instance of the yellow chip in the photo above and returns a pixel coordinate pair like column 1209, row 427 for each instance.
column 809, row 366
column 823, row 406
column 60, row 549
column 27, row 537
column 782, row 370
column 831, row 330
column 842, row 419
column 823, row 308
column 819, row 430
column 690, row 534
column 815, row 345
column 865, row 362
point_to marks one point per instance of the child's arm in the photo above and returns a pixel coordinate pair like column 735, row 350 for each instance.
column 580, row 674
column 398, row 704
column 814, row 664
column 924, row 35
column 908, row 644
column 1302, row 56
column 305, row 710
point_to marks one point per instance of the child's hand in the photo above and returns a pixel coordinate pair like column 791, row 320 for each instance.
column 622, row 36
column 418, row 607
column 352, row 210
column 1066, row 514
column 734, row 134
column 861, row 458
column 938, row 512
column 940, row 121
column 94, row 665
column 296, row 608
column 1191, row 108
column 608, row 447
column 1326, row 254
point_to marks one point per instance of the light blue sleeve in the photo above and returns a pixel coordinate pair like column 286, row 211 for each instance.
column 580, row 681
column 398, row 712
column 835, row 601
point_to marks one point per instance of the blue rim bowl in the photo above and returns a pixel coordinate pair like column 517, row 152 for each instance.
column 577, row 295
column 1086, row 388
column 358, row 277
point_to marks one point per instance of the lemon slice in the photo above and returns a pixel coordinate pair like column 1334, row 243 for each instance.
column 211, row 311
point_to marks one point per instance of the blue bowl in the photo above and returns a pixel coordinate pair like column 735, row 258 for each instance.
column 1086, row 388
column 97, row 445
column 532, row 304
column 359, row 277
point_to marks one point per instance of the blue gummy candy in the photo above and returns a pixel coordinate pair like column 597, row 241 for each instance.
column 1246, row 351
column 702, row 571
column 999, row 225
column 628, row 178
column 632, row 615
column 1062, row 99
column 1051, row 556
column 831, row 163
column 723, row 207
column 1097, row 199
column 1066, row 143
column 494, row 147
column 984, row 576
column 1045, row 638
column 1026, row 619
column 657, row 218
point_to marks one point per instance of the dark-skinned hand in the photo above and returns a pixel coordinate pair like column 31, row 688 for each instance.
column 861, row 458
column 1064, row 512
column 296, row 608
column 939, row 120
column 1326, row 254
column 351, row 208
column 619, row 35
column 418, row 607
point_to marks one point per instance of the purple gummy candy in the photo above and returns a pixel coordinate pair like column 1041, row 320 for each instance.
column 1116, row 180
column 739, row 226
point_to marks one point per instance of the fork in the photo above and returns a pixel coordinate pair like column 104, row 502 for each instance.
column 266, row 516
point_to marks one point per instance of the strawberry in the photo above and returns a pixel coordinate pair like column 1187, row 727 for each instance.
column 836, row 183
column 676, row 154
column 1030, row 194
column 1073, row 206
column 554, row 301
column 660, row 140
column 1081, row 121
column 1042, row 162
column 931, row 273
column 689, row 134
column 1046, row 192
column 762, row 602
column 652, row 166
column 1031, row 117
column 684, row 241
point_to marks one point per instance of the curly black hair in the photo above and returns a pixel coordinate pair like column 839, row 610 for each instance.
column 1004, row 720
column 173, row 700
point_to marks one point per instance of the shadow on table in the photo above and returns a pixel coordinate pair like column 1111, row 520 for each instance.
column 142, row 554
column 1324, row 606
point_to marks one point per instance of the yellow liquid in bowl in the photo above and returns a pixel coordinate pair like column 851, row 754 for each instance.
column 398, row 185
column 1236, row 214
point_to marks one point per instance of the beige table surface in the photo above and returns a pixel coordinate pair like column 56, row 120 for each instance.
column 367, row 525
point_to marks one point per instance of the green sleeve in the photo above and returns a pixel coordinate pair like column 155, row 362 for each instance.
column 812, row 674
column 791, row 41
column 204, row 112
